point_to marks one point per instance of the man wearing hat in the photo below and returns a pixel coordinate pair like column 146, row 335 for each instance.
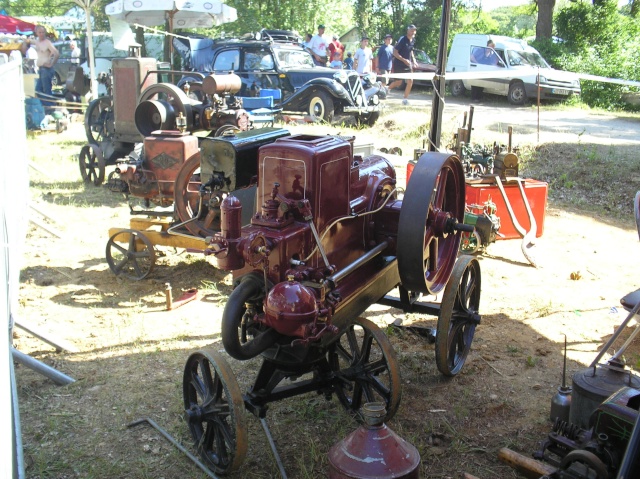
column 385, row 57
column 363, row 58
column 335, row 47
column 318, row 47
column 404, row 60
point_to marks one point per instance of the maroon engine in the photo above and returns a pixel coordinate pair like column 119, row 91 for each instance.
column 328, row 226
column 332, row 235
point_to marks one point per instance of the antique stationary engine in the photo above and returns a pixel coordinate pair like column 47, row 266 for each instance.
column 331, row 236
column 596, row 452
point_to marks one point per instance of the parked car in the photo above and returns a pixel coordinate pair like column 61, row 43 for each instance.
column 425, row 65
column 523, row 62
column 104, row 52
column 64, row 64
column 277, row 62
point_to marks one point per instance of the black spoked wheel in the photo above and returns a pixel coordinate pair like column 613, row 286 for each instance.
column 92, row 164
column 242, row 336
column 214, row 410
column 367, row 368
column 99, row 120
column 458, row 316
column 130, row 254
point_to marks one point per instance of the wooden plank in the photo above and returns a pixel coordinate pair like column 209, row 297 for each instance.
column 164, row 239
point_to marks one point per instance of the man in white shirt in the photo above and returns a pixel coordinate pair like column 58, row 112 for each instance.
column 318, row 47
column 362, row 61
column 75, row 52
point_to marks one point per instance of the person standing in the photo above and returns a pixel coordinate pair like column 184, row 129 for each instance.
column 307, row 41
column 363, row 57
column 318, row 47
column 385, row 57
column 348, row 62
column 335, row 47
column 404, row 60
column 47, row 57
column 75, row 52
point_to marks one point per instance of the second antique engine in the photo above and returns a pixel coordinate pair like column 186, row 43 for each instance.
column 597, row 452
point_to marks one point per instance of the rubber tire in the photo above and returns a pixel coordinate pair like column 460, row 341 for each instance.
column 457, row 88
column 323, row 102
column 248, row 290
column 517, row 94
column 368, row 119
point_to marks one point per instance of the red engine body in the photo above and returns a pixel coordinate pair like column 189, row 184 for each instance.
column 313, row 186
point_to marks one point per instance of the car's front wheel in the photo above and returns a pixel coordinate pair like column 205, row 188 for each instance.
column 517, row 94
column 56, row 81
column 321, row 107
column 457, row 88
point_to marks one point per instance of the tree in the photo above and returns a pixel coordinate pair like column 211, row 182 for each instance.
column 544, row 26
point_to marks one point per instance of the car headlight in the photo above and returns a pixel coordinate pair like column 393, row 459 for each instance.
column 359, row 100
column 341, row 76
column 543, row 79
column 375, row 100
column 371, row 77
column 576, row 83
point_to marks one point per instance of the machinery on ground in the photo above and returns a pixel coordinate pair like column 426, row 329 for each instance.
column 331, row 236
column 138, row 104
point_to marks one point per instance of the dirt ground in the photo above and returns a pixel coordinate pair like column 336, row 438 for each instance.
column 130, row 351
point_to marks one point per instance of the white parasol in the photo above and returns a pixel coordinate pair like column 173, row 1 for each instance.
column 179, row 13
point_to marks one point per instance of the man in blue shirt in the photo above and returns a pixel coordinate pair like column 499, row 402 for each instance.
column 385, row 57
column 404, row 60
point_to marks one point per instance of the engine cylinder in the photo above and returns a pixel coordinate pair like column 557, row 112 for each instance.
column 230, row 218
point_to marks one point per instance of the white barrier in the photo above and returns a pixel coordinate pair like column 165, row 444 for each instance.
column 13, row 205
column 448, row 76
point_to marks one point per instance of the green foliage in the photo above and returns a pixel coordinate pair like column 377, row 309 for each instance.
column 598, row 40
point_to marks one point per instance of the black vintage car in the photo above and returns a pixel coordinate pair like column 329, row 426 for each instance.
column 274, row 60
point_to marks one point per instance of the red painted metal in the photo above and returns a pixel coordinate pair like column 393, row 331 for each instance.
column 128, row 74
column 536, row 192
column 165, row 152
column 373, row 451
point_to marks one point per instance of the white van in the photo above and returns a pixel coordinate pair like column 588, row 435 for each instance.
column 514, row 55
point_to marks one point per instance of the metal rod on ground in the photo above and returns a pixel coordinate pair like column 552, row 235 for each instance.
column 38, row 169
column 60, row 345
column 435, row 128
column 168, row 437
column 45, row 227
column 56, row 376
column 615, row 335
column 42, row 213
column 267, row 433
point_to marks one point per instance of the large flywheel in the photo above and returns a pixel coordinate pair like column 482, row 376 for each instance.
column 159, row 107
column 430, row 223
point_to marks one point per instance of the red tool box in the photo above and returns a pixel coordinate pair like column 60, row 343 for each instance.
column 536, row 192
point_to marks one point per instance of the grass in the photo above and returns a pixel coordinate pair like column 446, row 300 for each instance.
column 126, row 372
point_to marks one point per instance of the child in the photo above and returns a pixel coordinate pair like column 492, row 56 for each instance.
column 348, row 63
column 336, row 62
